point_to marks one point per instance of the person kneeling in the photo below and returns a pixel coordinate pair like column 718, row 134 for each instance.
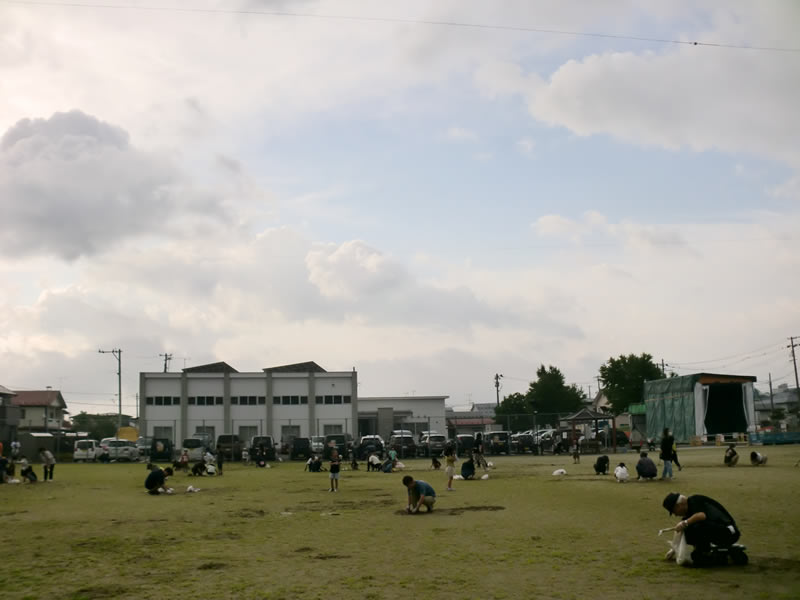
column 706, row 525
column 156, row 480
column 646, row 468
column 468, row 469
column 757, row 459
column 419, row 493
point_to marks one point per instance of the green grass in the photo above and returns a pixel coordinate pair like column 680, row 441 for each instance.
column 277, row 533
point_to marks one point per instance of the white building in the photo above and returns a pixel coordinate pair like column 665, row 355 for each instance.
column 416, row 413
column 298, row 400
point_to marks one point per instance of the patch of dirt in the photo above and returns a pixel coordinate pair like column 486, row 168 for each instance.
column 330, row 556
column 304, row 549
column 225, row 535
column 211, row 566
column 247, row 513
column 14, row 512
column 97, row 591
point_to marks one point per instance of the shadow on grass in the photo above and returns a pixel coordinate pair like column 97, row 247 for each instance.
column 454, row 511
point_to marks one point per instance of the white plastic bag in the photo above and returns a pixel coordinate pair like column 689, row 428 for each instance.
column 680, row 550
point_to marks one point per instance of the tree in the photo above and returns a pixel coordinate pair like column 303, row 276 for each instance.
column 549, row 393
column 98, row 426
column 623, row 379
column 514, row 412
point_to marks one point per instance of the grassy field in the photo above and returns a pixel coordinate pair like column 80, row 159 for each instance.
column 278, row 533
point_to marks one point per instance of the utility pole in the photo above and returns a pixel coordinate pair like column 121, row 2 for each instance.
column 497, row 377
column 663, row 370
column 167, row 358
column 771, row 403
column 117, row 353
column 794, row 360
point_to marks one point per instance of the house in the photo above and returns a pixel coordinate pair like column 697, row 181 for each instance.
column 479, row 418
column 41, row 410
column 9, row 416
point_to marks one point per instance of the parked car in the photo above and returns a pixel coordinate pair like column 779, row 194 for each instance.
column 86, row 451
column 432, row 444
column 464, row 443
column 265, row 441
column 206, row 438
column 342, row 441
column 607, row 439
column 143, row 444
column 230, row 446
column 161, row 449
column 404, row 445
column 301, row 447
column 522, row 441
column 119, row 449
column 194, row 448
column 371, row 443
column 497, row 442
column 317, row 444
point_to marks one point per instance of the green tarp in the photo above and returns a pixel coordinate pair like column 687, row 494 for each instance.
column 671, row 403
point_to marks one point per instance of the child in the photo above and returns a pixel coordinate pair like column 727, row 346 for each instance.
column 731, row 456
column 334, row 470
column 48, row 462
column 576, row 452
column 245, row 456
column 757, row 459
column 450, row 459
column 220, row 461
column 28, row 475
column 621, row 473
column 373, row 462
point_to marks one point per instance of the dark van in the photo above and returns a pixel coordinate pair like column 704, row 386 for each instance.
column 230, row 446
column 342, row 441
column 161, row 449
column 262, row 441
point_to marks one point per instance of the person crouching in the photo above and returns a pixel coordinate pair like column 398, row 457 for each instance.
column 156, row 480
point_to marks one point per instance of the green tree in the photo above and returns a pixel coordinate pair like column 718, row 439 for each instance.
column 549, row 393
column 98, row 426
column 623, row 379
column 514, row 412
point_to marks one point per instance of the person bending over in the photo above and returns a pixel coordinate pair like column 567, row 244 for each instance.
column 156, row 480
column 646, row 468
column 419, row 494
column 705, row 522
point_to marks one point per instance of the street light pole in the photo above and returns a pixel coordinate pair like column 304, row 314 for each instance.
column 118, row 355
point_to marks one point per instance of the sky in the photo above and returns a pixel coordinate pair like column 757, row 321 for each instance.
column 430, row 193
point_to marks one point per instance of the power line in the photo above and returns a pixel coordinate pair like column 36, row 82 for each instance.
column 732, row 356
column 401, row 20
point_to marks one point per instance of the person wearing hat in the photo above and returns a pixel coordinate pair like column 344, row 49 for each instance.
column 705, row 522
column 731, row 456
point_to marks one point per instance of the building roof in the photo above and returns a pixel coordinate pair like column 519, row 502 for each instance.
column 303, row 367
column 217, row 367
column 39, row 398
column 4, row 391
column 586, row 415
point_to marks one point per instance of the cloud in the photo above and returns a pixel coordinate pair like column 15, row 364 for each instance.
column 459, row 134
column 689, row 97
column 526, row 146
column 73, row 185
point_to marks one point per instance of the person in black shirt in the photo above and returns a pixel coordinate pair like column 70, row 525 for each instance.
column 705, row 522
column 334, row 470
column 156, row 479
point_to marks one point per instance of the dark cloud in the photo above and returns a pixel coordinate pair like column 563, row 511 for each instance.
column 73, row 185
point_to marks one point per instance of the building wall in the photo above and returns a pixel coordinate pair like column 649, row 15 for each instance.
column 246, row 404
column 417, row 413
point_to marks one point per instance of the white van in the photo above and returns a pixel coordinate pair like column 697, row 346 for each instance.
column 86, row 450
column 195, row 448
column 119, row 449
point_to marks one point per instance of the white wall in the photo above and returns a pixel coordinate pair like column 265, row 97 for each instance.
column 422, row 409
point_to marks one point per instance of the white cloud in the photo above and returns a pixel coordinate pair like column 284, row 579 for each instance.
column 72, row 185
column 460, row 134
column 526, row 146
